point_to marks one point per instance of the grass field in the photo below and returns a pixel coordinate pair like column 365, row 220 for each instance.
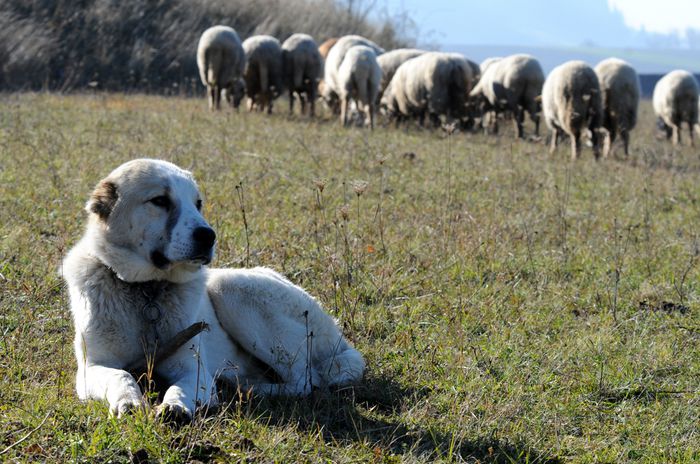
column 512, row 306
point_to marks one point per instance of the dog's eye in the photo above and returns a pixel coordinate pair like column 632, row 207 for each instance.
column 198, row 204
column 161, row 201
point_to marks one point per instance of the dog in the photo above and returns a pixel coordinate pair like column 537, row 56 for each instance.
column 143, row 298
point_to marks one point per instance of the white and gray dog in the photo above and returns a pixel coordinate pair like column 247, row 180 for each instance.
column 142, row 298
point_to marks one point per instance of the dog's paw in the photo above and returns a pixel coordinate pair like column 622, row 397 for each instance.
column 174, row 413
column 125, row 406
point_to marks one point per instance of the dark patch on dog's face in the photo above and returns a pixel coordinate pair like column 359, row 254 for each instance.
column 159, row 260
column 170, row 224
column 103, row 199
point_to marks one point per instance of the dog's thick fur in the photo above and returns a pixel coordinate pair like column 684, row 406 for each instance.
column 138, row 277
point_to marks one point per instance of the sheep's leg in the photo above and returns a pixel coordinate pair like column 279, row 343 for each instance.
column 344, row 110
column 690, row 133
column 218, row 97
column 595, row 138
column 676, row 137
column 291, row 103
column 371, row 115
column 535, row 117
column 553, row 142
column 302, row 102
column 311, row 95
column 210, row 96
column 575, row 145
column 607, row 144
column 610, row 133
column 625, row 136
column 518, row 121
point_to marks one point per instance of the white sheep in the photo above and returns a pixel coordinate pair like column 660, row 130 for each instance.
column 620, row 90
column 390, row 62
column 263, row 71
column 221, row 60
column 571, row 104
column 358, row 78
column 330, row 90
column 512, row 84
column 434, row 84
column 488, row 62
column 675, row 101
column 301, row 67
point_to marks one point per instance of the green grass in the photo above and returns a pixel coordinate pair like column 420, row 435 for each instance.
column 512, row 306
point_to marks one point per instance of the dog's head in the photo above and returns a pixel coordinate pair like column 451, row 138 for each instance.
column 146, row 223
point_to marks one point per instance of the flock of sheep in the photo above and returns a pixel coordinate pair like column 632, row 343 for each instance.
column 354, row 76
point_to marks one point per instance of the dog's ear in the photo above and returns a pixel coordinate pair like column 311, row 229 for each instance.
column 103, row 199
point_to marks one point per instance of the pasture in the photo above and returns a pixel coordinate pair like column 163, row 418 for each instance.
column 512, row 306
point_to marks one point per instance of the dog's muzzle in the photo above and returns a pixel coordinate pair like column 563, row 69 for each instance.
column 204, row 239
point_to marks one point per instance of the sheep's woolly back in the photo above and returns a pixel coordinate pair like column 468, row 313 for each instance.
column 620, row 91
column 220, row 56
column 433, row 82
column 263, row 70
column 488, row 62
column 571, row 97
column 359, row 74
column 335, row 57
column 390, row 62
column 301, row 61
column 511, row 81
column 675, row 98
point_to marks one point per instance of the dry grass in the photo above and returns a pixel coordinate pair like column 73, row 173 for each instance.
column 512, row 306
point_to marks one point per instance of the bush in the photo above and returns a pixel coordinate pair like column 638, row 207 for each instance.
column 150, row 46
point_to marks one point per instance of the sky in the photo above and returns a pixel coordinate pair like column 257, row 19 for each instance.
column 547, row 23
column 664, row 17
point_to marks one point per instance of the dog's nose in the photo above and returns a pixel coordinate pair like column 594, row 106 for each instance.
column 204, row 236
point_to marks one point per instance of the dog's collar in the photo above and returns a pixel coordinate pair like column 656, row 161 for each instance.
column 152, row 313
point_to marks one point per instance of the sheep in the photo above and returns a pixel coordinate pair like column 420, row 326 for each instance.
column 512, row 84
column 434, row 84
column 358, row 78
column 675, row 101
column 488, row 62
column 620, row 90
column 326, row 46
column 475, row 69
column 301, row 67
column 263, row 71
column 390, row 62
column 221, row 61
column 475, row 106
column 330, row 89
column 471, row 112
column 571, row 103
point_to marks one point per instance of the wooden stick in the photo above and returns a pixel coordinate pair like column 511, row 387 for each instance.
column 170, row 347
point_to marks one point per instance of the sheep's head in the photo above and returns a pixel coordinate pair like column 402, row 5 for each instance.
column 235, row 92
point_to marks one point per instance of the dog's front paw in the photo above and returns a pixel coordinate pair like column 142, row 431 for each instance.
column 174, row 413
column 125, row 406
